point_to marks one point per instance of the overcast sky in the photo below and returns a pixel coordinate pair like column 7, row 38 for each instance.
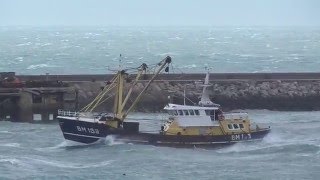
column 160, row 12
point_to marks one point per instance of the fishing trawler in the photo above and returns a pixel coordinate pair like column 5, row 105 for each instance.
column 201, row 125
column 88, row 127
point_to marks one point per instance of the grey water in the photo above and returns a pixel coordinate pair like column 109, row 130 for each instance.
column 96, row 50
column 38, row 151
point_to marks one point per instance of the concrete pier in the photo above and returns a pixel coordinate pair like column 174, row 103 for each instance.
column 274, row 91
column 34, row 104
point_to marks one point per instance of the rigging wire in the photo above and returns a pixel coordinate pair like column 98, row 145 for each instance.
column 105, row 90
column 98, row 101
column 100, row 98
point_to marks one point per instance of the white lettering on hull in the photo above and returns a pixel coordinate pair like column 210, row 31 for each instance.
column 238, row 137
column 90, row 130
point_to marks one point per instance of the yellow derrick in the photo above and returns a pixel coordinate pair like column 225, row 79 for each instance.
column 120, row 103
column 130, row 90
column 162, row 64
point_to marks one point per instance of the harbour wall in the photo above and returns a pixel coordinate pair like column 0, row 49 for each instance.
column 273, row 91
column 290, row 92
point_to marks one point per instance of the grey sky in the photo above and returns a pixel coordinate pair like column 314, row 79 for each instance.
column 160, row 12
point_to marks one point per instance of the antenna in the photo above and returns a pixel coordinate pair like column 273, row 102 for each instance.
column 208, row 69
column 120, row 62
column 206, row 80
column 184, row 95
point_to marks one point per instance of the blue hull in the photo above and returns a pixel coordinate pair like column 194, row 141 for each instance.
column 82, row 131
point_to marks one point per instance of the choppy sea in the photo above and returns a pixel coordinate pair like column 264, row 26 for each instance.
column 96, row 50
column 39, row 151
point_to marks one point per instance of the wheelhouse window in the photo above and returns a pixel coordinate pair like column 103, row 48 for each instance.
column 235, row 126
column 197, row 112
column 241, row 126
column 207, row 112
column 191, row 112
column 180, row 112
column 186, row 112
column 210, row 113
column 171, row 112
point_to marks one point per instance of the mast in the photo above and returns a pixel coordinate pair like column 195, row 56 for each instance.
column 119, row 93
column 119, row 103
column 205, row 99
column 142, row 69
column 162, row 64
column 119, row 100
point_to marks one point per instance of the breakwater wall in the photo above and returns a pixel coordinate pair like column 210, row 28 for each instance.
column 274, row 91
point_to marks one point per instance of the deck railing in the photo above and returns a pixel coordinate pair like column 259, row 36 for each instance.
column 67, row 113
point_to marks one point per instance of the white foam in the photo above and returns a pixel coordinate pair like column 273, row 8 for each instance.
column 63, row 164
column 12, row 161
column 273, row 138
column 46, row 44
column 10, row 145
column 18, row 163
column 19, row 59
column 24, row 44
column 39, row 66
column 69, row 143
column 175, row 38
column 53, row 148
column 6, row 132
column 246, row 55
column 111, row 140
column 190, row 66
column 62, row 54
